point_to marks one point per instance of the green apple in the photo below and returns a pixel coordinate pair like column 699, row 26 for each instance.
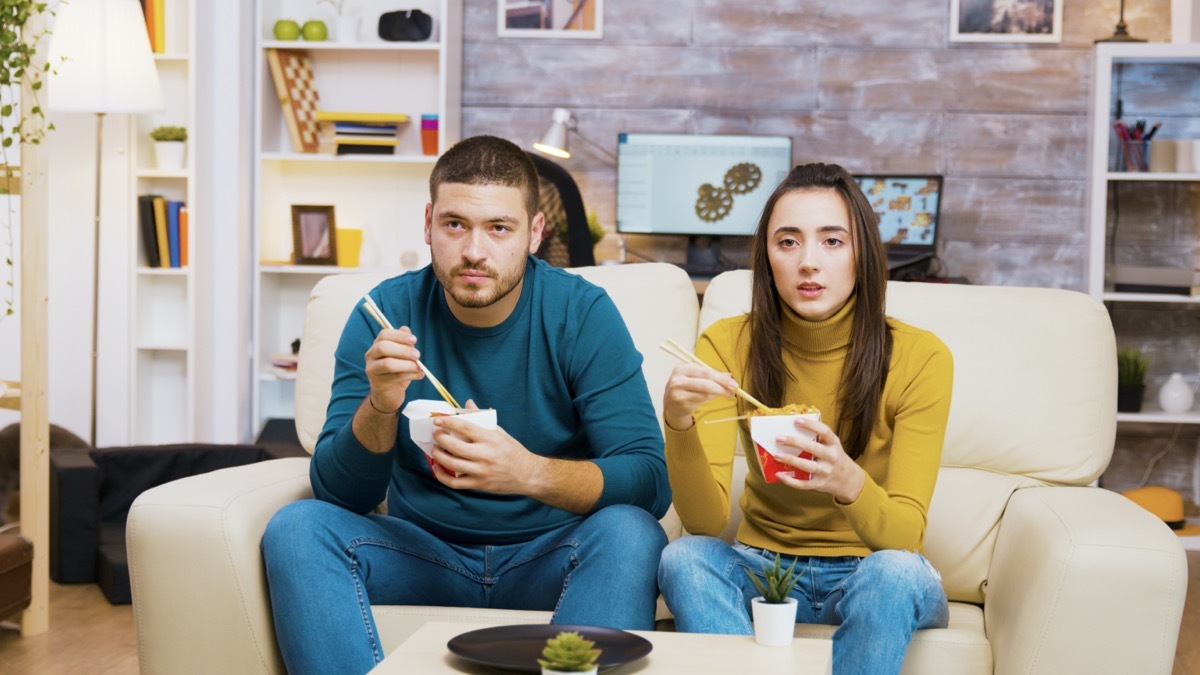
column 286, row 29
column 314, row 31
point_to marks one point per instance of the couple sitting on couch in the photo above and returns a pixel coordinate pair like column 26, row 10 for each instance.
column 556, row 508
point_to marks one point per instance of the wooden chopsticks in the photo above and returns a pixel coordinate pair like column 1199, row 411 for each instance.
column 675, row 349
column 375, row 313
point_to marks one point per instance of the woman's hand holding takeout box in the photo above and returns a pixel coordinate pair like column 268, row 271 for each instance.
column 814, row 449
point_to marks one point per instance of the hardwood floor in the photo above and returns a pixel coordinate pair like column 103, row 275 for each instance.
column 88, row 635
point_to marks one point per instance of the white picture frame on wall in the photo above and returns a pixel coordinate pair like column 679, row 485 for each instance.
column 578, row 19
column 1006, row 21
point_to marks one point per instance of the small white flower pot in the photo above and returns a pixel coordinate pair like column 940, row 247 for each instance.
column 774, row 623
column 347, row 28
column 168, row 154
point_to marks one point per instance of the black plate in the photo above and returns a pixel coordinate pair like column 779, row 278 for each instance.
column 517, row 648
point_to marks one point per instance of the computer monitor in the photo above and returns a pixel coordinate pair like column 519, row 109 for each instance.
column 908, row 207
column 705, row 186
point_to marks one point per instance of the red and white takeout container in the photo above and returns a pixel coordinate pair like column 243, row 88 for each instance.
column 764, row 429
column 420, row 415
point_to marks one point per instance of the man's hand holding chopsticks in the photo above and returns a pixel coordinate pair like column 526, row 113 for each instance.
column 391, row 364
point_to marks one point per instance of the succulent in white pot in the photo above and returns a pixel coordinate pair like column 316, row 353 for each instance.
column 169, row 144
column 774, row 611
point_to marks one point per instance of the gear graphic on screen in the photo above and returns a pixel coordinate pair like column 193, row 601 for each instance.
column 743, row 178
column 714, row 203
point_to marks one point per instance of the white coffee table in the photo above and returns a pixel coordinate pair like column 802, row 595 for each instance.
column 425, row 652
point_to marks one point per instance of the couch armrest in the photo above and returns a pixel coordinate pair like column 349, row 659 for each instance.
column 199, row 591
column 1083, row 581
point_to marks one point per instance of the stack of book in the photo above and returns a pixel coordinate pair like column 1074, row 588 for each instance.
column 164, row 226
column 349, row 133
column 1175, row 281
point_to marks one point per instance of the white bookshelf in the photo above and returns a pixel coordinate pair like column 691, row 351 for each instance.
column 163, row 300
column 1124, row 58
column 383, row 195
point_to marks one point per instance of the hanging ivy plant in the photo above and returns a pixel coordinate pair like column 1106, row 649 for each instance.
column 20, row 123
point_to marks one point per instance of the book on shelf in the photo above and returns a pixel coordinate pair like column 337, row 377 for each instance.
column 356, row 129
column 291, row 71
column 361, row 117
column 160, row 231
column 146, row 224
column 183, row 236
column 364, row 149
column 155, row 24
column 284, row 365
column 173, row 232
column 1167, row 280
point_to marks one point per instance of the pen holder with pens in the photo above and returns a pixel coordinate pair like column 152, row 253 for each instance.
column 1132, row 155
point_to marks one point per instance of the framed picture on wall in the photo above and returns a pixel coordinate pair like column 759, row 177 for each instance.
column 314, row 235
column 1006, row 20
column 550, row 18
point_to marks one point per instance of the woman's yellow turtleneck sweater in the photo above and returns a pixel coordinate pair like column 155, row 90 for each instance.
column 901, row 459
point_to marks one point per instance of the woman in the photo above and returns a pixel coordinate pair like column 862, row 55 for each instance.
column 816, row 334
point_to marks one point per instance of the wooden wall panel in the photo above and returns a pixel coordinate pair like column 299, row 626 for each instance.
column 961, row 79
column 1022, row 145
column 820, row 22
column 870, row 84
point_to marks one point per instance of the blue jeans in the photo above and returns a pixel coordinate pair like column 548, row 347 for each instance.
column 326, row 566
column 876, row 602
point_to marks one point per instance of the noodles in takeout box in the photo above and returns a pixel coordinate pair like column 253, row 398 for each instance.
column 767, row 425
column 420, row 414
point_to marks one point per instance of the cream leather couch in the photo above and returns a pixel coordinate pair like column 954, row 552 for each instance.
column 1046, row 575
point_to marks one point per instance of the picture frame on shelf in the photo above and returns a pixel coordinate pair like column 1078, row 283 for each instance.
column 1011, row 21
column 583, row 19
column 314, row 235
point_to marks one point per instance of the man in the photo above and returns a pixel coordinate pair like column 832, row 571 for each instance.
column 554, row 510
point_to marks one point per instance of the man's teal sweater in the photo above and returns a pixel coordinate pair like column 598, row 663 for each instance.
column 563, row 375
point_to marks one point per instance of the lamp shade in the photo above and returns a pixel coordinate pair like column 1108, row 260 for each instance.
column 101, row 58
column 554, row 141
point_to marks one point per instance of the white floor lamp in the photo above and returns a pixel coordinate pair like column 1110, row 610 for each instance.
column 100, row 54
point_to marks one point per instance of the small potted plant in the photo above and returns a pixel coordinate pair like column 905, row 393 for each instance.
column 774, row 611
column 569, row 652
column 169, row 143
column 1131, row 379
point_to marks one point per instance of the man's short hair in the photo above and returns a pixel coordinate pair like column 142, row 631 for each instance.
column 487, row 160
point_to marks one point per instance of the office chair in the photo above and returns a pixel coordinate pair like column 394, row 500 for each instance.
column 560, row 201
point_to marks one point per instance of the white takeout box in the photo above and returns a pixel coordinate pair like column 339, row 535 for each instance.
column 420, row 422
column 764, row 429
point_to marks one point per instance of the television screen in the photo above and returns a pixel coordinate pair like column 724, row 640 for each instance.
column 697, row 184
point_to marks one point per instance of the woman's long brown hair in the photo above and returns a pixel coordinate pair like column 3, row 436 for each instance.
column 865, row 371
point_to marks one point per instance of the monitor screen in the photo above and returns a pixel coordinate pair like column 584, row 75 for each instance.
column 697, row 184
column 907, row 206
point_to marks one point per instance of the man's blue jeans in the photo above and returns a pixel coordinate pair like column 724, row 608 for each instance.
column 326, row 566
column 876, row 602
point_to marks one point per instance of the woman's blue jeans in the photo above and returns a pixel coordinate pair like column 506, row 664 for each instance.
column 876, row 602
column 326, row 566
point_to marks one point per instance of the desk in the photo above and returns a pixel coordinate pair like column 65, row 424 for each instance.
column 425, row 652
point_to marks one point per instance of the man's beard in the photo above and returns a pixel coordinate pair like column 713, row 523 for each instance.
column 473, row 299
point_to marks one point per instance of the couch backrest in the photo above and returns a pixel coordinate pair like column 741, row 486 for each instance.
column 656, row 300
column 1034, row 400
